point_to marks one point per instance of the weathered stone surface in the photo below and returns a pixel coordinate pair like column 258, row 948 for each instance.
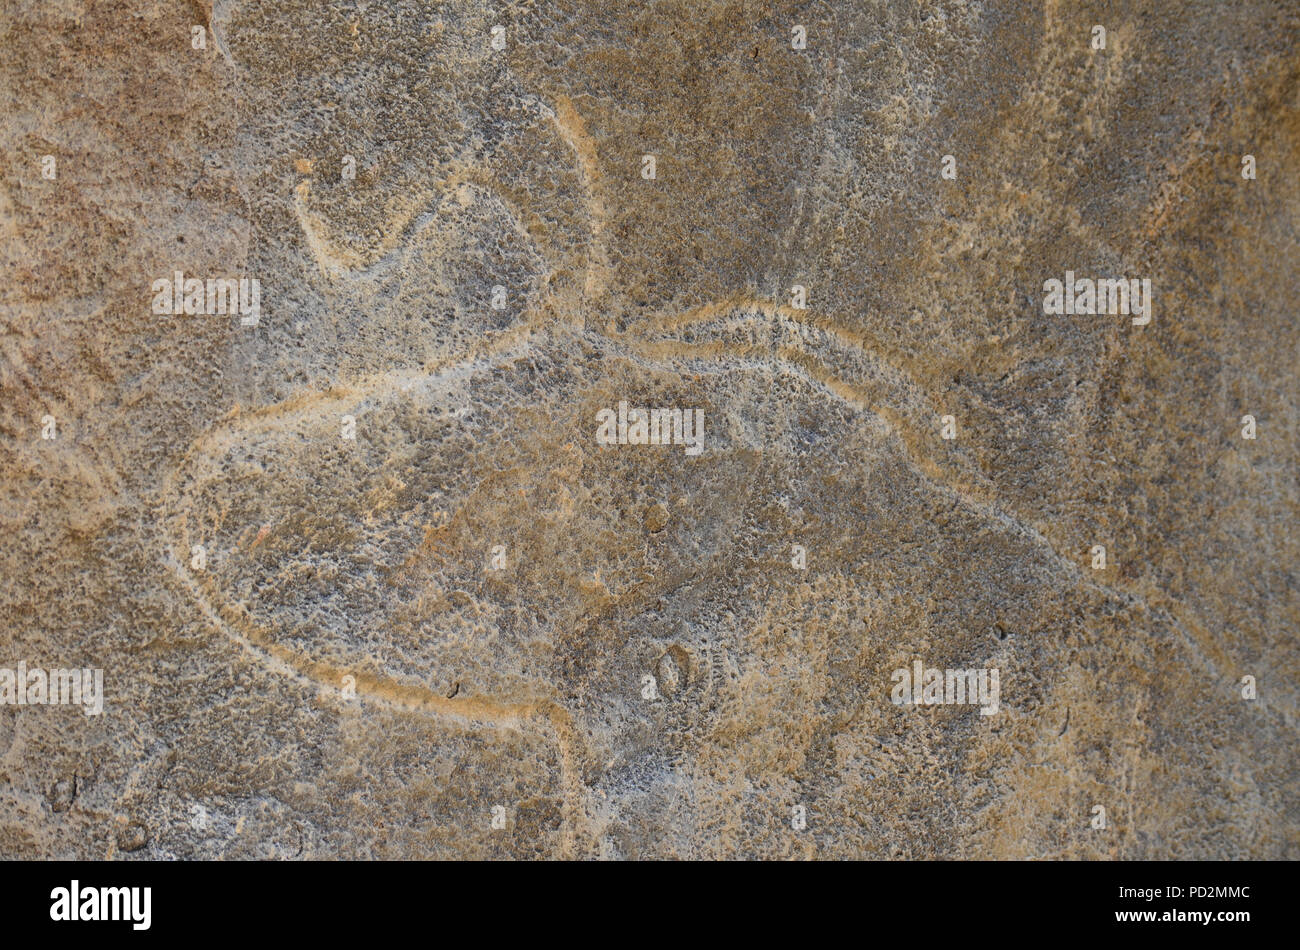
column 473, row 629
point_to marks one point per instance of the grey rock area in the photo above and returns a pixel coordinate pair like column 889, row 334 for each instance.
column 364, row 578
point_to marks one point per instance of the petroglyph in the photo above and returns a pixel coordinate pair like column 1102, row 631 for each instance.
column 366, row 578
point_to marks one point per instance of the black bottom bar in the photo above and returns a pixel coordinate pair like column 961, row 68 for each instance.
column 335, row 901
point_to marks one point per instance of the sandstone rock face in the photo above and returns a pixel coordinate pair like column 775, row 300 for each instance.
column 383, row 567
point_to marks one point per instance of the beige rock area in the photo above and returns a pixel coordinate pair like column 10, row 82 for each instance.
column 364, row 577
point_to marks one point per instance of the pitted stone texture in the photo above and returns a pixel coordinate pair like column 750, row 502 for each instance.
column 475, row 631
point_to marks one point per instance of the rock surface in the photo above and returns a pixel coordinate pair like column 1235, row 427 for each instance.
column 435, row 616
